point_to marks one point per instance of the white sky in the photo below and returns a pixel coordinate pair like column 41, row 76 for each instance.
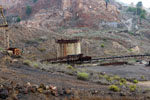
column 146, row 3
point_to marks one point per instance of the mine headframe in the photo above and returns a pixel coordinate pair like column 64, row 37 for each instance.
column 3, row 22
column 4, row 27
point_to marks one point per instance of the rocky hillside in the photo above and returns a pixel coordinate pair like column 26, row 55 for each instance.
column 54, row 13
column 55, row 19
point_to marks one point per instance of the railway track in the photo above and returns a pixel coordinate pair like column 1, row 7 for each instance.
column 120, row 57
column 80, row 58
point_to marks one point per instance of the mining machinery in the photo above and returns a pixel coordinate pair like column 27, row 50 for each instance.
column 4, row 27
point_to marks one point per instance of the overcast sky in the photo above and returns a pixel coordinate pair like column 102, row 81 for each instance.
column 146, row 3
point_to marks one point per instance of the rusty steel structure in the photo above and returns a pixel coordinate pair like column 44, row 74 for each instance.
column 4, row 26
column 14, row 51
column 88, row 59
column 69, row 59
column 68, row 47
column 69, row 51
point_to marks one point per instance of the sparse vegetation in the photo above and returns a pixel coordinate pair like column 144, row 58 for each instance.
column 35, row 65
column 28, row 10
column 132, row 88
column 35, row 1
column 142, row 77
column 131, row 33
column 102, row 45
column 27, row 62
column 72, row 70
column 121, row 84
column 135, row 81
column 42, row 49
column 105, row 40
column 109, row 79
column 114, row 88
column 1, row 49
column 82, row 75
column 123, row 81
column 116, row 77
column 130, row 50
column 18, row 19
column 103, row 76
column 69, row 67
column 30, row 63
column 31, row 42
column 138, row 10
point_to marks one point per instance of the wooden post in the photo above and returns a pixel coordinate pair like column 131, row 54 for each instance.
column 7, row 39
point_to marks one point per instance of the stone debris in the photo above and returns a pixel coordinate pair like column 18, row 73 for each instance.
column 3, row 93
column 28, row 88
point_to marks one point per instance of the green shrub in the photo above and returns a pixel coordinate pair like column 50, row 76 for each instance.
column 135, row 81
column 42, row 49
column 121, row 84
column 27, row 62
column 105, row 40
column 109, row 79
column 28, row 10
column 124, row 81
column 137, row 11
column 102, row 45
column 18, row 19
column 143, row 15
column 35, row 65
column 1, row 49
column 142, row 77
column 114, row 88
column 132, row 9
column 82, row 75
column 69, row 67
column 132, row 88
column 131, row 33
column 103, row 76
column 35, row 1
column 116, row 77
column 130, row 50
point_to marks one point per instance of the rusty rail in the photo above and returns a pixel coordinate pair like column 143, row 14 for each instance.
column 80, row 58
column 120, row 57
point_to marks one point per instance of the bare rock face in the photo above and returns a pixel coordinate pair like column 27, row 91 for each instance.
column 66, row 4
column 9, row 3
column 54, row 13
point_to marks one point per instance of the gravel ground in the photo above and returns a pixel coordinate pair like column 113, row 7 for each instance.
column 126, row 71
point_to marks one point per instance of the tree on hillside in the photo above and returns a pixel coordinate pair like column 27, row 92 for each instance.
column 139, row 4
column 107, row 1
column 35, row 1
column 18, row 19
column 28, row 10
column 138, row 10
column 142, row 16
column 132, row 9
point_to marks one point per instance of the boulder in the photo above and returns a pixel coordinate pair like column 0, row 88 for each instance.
column 3, row 93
